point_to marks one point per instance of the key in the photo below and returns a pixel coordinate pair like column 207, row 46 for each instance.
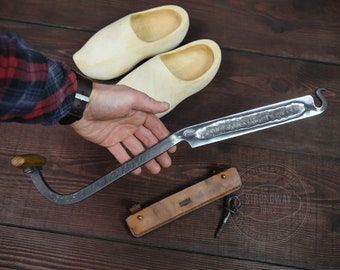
column 231, row 205
column 221, row 227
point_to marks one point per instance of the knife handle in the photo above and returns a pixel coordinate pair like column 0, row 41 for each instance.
column 183, row 202
column 28, row 161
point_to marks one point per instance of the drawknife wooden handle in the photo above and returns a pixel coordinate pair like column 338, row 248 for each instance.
column 183, row 202
column 28, row 161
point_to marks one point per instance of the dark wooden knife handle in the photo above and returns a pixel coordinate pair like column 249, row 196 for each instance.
column 28, row 161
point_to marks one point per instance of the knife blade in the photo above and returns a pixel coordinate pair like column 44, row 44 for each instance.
column 196, row 135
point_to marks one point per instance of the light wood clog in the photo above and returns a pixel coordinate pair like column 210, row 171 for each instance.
column 118, row 47
column 173, row 76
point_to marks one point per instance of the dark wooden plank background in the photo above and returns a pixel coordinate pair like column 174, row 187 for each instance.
column 272, row 51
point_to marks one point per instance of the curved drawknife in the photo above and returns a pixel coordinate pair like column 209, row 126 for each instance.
column 196, row 135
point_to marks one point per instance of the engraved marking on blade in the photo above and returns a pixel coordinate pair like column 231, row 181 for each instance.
column 189, row 133
column 280, row 114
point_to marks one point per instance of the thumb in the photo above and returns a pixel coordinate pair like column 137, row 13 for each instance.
column 148, row 104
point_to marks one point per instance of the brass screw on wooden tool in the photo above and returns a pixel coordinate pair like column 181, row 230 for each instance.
column 140, row 217
column 223, row 176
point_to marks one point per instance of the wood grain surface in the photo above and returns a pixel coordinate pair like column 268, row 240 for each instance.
column 289, row 219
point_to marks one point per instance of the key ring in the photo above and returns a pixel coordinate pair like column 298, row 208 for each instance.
column 232, row 204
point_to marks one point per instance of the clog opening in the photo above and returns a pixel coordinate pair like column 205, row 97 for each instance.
column 155, row 25
column 190, row 63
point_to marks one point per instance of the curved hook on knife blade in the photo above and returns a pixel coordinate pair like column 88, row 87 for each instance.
column 322, row 98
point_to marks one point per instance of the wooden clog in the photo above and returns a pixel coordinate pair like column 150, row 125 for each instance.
column 173, row 76
column 118, row 47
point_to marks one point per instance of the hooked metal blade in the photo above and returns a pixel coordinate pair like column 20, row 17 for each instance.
column 196, row 135
column 253, row 120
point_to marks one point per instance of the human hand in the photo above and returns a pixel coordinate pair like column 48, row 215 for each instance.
column 123, row 119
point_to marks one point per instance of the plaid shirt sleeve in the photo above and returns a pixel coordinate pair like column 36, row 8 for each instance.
column 33, row 88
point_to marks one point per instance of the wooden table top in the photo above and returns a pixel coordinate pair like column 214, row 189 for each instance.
column 290, row 214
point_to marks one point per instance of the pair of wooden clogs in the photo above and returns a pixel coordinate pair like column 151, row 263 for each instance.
column 168, row 76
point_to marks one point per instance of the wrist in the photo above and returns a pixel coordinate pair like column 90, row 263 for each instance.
column 81, row 99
